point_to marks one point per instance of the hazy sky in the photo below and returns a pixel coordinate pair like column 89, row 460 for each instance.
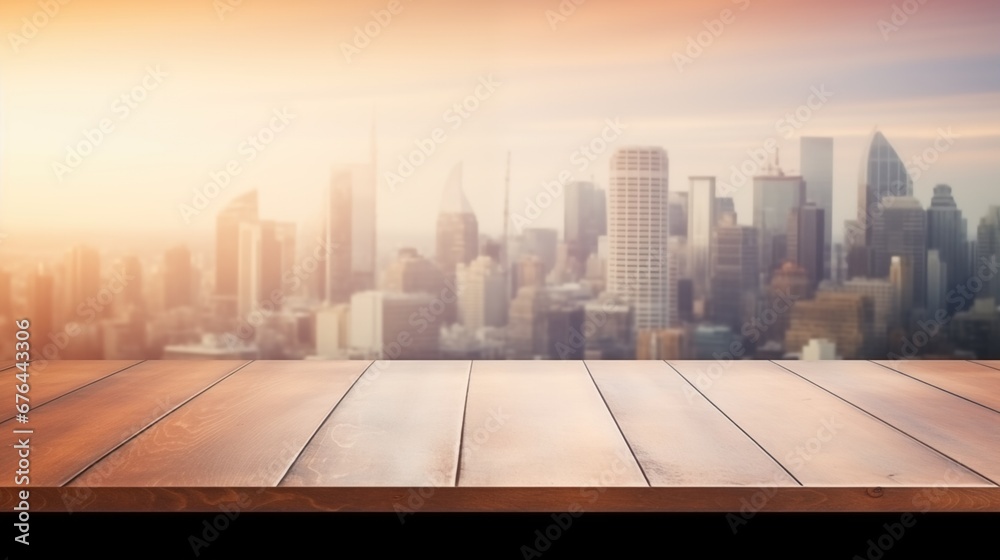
column 222, row 75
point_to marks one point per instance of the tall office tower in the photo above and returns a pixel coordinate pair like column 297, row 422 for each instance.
column 457, row 227
column 481, row 294
column 41, row 307
column 81, row 280
column 227, row 255
column 882, row 175
column 383, row 326
column 816, row 165
column 585, row 219
column 774, row 198
column 903, row 286
column 988, row 250
column 413, row 273
column 6, row 298
column 789, row 284
column 937, row 282
column 526, row 326
column 178, row 281
column 260, row 261
column 901, row 230
column 712, row 342
column 724, row 205
column 638, row 233
column 287, row 234
column 364, row 232
column 563, row 330
column 947, row 232
column 529, row 271
column 735, row 274
column 685, row 300
column 842, row 318
column 333, row 332
column 543, row 243
column 678, row 213
column 701, row 221
column 338, row 232
column 806, row 243
column 883, row 295
column 610, row 335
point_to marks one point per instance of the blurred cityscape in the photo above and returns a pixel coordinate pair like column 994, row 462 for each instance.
column 642, row 269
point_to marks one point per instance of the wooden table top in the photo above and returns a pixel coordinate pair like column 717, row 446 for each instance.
column 493, row 436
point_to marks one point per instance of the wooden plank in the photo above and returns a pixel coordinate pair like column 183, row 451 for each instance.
column 58, row 378
column 245, row 431
column 680, row 438
column 994, row 364
column 401, row 501
column 972, row 381
column 5, row 364
column 819, row 438
column 965, row 432
column 541, row 423
column 400, row 425
column 73, row 432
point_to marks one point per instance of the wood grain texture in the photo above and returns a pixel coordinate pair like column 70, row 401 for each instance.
column 80, row 428
column 820, row 439
column 535, row 423
column 5, row 364
column 993, row 364
column 245, row 431
column 402, row 501
column 965, row 432
column 400, row 425
column 57, row 378
column 975, row 382
column 679, row 438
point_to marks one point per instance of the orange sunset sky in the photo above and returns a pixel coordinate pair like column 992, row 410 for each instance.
column 223, row 73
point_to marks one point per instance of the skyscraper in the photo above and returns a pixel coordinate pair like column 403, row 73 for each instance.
column 412, row 273
column 81, row 280
column 882, row 175
column 678, row 213
column 481, row 294
column 701, row 222
column 988, row 249
column 816, row 165
column 364, row 232
column 585, row 219
column 947, row 232
column 260, row 261
column 227, row 241
column 806, row 244
column 842, row 318
column 937, row 281
column 900, row 229
column 735, row 273
column 457, row 227
column 41, row 306
column 638, row 233
column 775, row 196
column 543, row 243
column 338, row 226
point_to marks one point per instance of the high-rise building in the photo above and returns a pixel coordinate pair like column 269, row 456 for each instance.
column 260, row 261
column 839, row 317
column 724, row 205
column 81, row 280
column 937, row 281
column 638, row 233
column 41, row 307
column 457, row 227
column 528, row 271
column 882, row 174
column 882, row 293
column 178, row 283
column 790, row 283
column 701, row 222
column 678, row 213
column 988, row 249
column 947, row 232
column 132, row 291
column 585, row 219
column 338, row 231
column 527, row 325
column 382, row 327
column 816, row 165
column 608, row 330
column 364, row 232
column 333, row 332
column 900, row 229
column 735, row 274
column 563, row 337
column 227, row 255
column 806, row 243
column 543, row 243
column 775, row 196
column 481, row 294
column 665, row 344
column 713, row 342
column 904, row 286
